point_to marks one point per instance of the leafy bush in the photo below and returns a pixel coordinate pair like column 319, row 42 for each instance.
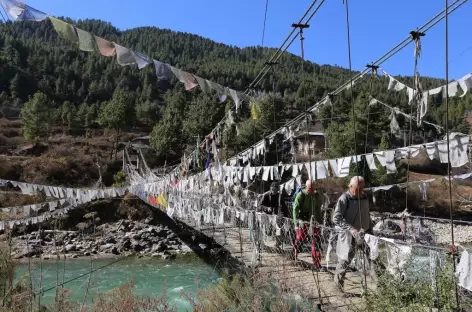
column 119, row 179
column 415, row 293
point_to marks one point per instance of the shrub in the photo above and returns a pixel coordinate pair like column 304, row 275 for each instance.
column 119, row 179
column 415, row 293
column 123, row 299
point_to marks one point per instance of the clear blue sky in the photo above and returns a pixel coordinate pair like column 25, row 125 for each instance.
column 376, row 26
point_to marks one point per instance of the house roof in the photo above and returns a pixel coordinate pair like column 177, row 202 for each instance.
column 147, row 137
column 311, row 133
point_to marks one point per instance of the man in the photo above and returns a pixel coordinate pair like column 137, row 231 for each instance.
column 272, row 203
column 306, row 210
column 351, row 219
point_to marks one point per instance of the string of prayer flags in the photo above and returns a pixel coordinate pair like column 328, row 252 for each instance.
column 450, row 90
column 397, row 111
column 125, row 56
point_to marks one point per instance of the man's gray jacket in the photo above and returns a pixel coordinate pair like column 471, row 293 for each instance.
column 348, row 215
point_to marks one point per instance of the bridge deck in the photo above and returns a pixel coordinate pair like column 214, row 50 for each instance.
column 296, row 277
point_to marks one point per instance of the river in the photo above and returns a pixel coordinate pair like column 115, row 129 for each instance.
column 150, row 278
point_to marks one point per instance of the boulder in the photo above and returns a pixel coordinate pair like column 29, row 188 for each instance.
column 106, row 246
column 70, row 247
column 158, row 247
column 387, row 226
column 138, row 248
column 126, row 244
column 110, row 240
column 185, row 249
column 30, row 251
column 168, row 257
column 174, row 247
column 136, row 236
column 161, row 233
column 47, row 238
column 115, row 251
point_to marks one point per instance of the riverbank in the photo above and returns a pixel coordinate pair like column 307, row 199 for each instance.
column 109, row 240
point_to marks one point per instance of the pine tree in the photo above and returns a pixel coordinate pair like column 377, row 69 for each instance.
column 36, row 117
column 119, row 113
column 167, row 135
column 68, row 114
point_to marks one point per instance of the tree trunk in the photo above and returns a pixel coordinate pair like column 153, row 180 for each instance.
column 116, row 144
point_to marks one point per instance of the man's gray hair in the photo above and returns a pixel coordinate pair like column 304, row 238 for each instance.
column 356, row 180
column 310, row 183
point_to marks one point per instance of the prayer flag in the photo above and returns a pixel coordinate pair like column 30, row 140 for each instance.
column 65, row 30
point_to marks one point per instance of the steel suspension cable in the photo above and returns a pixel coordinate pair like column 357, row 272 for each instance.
column 373, row 73
column 265, row 19
column 282, row 46
column 400, row 46
column 449, row 156
column 355, row 128
column 310, row 169
column 276, row 56
column 428, row 25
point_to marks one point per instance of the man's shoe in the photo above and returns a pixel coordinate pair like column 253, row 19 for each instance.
column 338, row 283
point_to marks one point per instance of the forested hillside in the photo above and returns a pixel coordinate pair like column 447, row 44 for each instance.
column 56, row 84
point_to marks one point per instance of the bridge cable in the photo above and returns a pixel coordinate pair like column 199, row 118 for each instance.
column 389, row 54
column 82, row 275
column 354, row 126
column 373, row 75
column 400, row 46
column 449, row 155
column 274, row 56
column 265, row 19
column 311, row 229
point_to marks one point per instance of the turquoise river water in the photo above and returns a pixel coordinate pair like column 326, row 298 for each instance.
column 150, row 278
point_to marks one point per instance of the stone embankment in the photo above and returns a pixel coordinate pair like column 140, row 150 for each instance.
column 121, row 238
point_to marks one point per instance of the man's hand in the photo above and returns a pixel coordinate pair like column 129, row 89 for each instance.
column 354, row 232
column 269, row 210
column 357, row 234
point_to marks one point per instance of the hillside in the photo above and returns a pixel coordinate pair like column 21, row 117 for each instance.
column 81, row 90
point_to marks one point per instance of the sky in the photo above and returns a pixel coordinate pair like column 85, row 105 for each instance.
column 376, row 26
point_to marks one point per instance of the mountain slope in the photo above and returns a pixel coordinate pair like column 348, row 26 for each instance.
column 33, row 58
